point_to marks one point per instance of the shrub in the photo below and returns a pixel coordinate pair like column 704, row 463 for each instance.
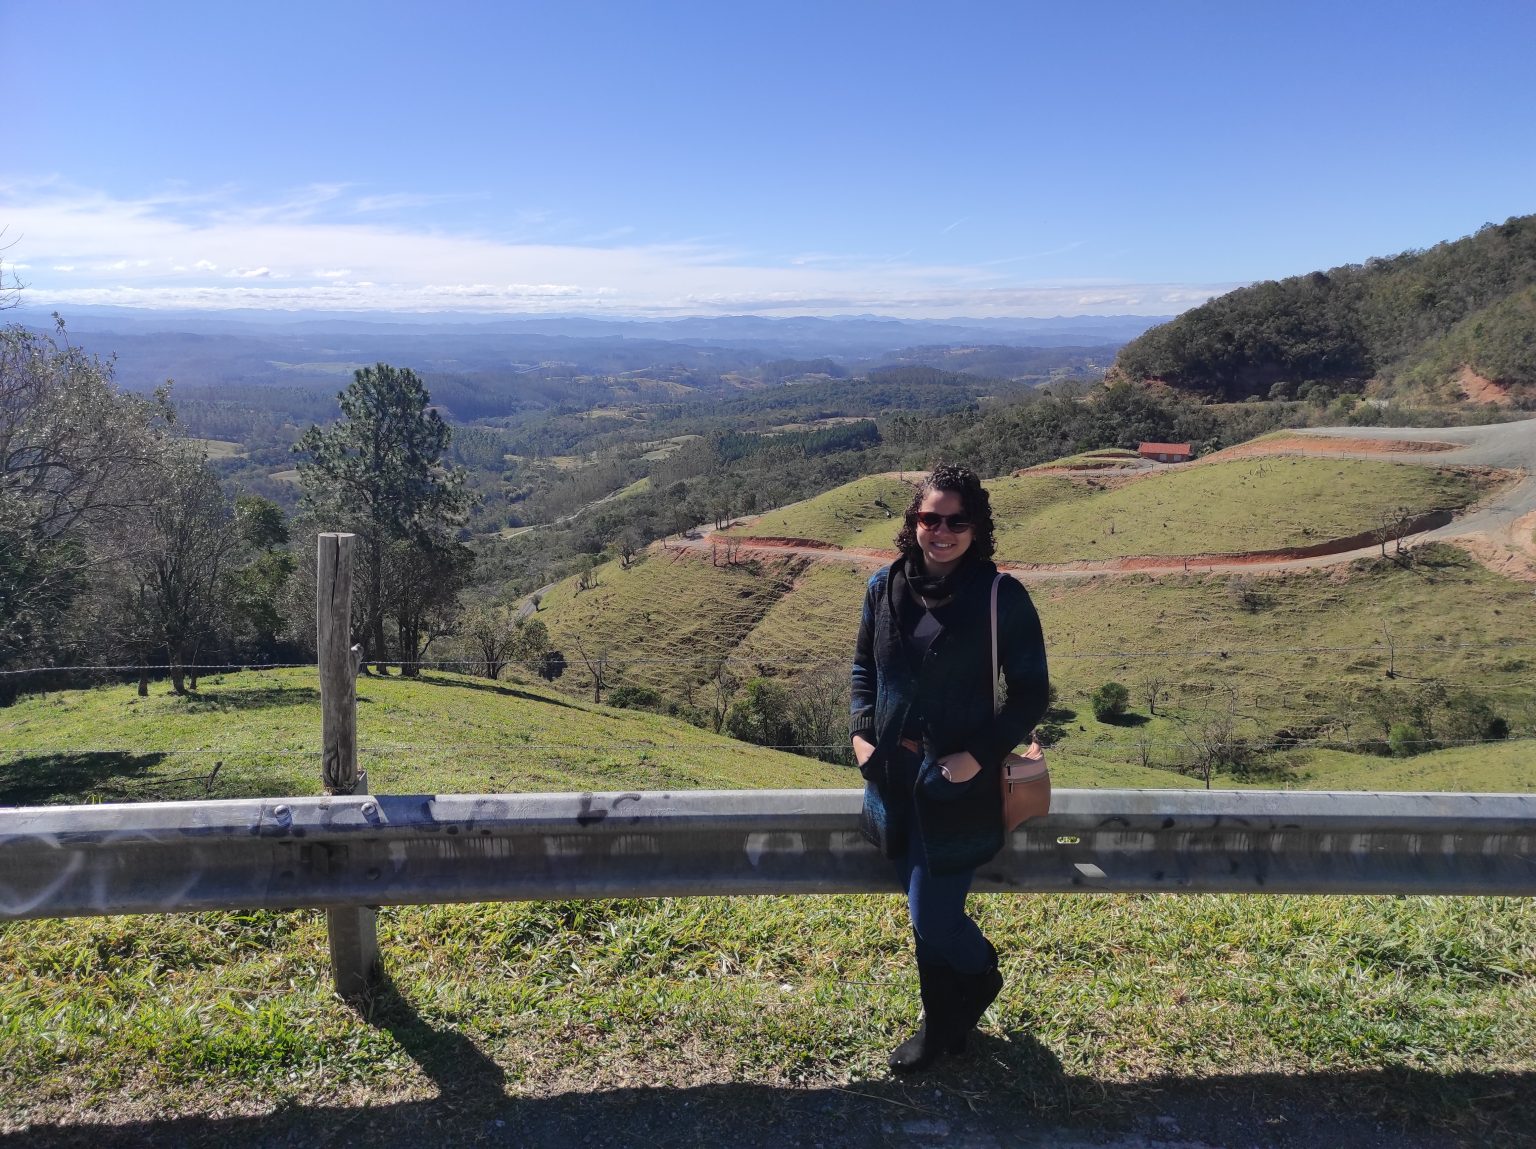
column 1405, row 740
column 634, row 698
column 1109, row 701
column 552, row 665
column 762, row 714
column 1469, row 719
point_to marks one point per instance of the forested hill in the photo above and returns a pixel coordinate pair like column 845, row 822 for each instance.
column 1411, row 321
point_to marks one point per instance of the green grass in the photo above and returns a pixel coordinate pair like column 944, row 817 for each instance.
column 1220, row 508
column 670, row 617
column 1407, row 1010
column 1279, row 639
column 1298, row 649
column 1224, row 508
column 846, row 516
column 817, row 617
column 1108, row 459
column 1411, row 1011
column 1507, row 768
column 442, row 733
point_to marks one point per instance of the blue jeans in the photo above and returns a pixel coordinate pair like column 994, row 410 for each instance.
column 945, row 934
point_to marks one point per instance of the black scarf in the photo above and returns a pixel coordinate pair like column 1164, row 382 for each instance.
column 938, row 589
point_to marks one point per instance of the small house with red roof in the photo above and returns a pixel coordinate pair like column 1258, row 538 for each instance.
column 1166, row 452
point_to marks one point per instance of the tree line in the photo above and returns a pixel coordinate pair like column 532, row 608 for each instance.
column 122, row 552
column 1414, row 317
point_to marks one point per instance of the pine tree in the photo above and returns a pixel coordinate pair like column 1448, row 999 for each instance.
column 378, row 472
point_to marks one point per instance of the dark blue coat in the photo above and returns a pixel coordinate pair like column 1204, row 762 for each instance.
column 962, row 823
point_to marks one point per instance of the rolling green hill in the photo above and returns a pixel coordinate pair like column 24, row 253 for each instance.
column 1308, row 652
column 1217, row 508
column 441, row 733
column 667, row 620
column 1414, row 317
column 1224, row 508
column 863, row 513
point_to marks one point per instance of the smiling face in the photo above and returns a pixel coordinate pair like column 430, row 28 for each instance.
column 942, row 548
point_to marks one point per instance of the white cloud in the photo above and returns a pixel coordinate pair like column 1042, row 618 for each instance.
column 359, row 262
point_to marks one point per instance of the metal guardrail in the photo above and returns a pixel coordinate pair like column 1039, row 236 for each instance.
column 377, row 850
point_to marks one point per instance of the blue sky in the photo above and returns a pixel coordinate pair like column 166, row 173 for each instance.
column 786, row 158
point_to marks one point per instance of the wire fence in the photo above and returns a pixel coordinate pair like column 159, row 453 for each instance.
column 796, row 662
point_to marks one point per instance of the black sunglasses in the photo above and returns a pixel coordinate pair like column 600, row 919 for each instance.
column 930, row 520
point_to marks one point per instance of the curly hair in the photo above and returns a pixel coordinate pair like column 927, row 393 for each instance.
column 974, row 502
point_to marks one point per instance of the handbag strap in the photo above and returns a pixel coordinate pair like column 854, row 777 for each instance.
column 996, row 701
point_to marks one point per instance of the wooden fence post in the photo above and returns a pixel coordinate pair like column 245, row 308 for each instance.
column 353, row 930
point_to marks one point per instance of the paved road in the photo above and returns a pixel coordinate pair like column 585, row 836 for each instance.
column 1509, row 445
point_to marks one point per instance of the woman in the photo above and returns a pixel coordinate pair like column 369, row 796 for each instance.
column 929, row 744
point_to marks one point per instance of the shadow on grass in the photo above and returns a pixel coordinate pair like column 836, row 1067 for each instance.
column 252, row 698
column 39, row 779
column 1128, row 719
column 490, row 688
column 466, row 1078
column 1008, row 1091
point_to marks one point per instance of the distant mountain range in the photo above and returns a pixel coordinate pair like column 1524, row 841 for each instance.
column 846, row 337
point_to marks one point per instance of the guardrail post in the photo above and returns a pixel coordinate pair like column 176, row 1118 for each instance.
column 353, row 930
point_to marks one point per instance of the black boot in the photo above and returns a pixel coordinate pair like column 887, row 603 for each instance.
column 974, row 992
column 937, row 1035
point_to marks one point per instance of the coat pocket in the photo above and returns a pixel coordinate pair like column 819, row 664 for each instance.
column 937, row 788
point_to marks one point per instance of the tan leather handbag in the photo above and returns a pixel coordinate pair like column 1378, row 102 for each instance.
column 1026, row 778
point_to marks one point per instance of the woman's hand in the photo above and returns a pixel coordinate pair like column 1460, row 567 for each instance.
column 862, row 749
column 961, row 767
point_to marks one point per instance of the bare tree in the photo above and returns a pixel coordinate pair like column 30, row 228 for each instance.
column 10, row 292
column 174, row 557
column 1144, row 744
column 1392, row 523
column 74, row 455
column 818, row 709
column 723, row 685
column 603, row 665
column 1154, row 685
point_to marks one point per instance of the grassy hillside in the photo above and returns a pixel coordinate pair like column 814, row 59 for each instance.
column 1506, row 768
column 442, row 733
column 1300, row 651
column 1247, row 505
column 863, row 513
column 668, row 619
column 818, row 616
column 1226, row 507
